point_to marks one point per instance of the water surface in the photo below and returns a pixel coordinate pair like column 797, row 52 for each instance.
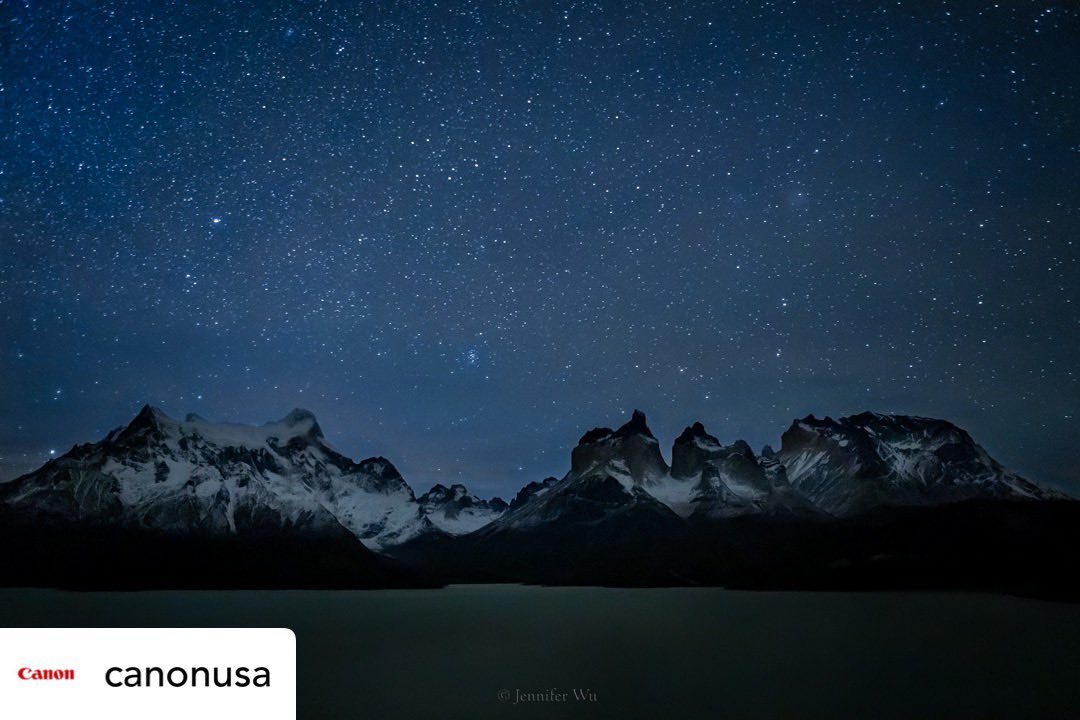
column 664, row 653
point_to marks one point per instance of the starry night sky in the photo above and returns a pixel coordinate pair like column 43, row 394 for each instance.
column 464, row 233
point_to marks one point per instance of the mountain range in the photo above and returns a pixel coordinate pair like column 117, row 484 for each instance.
column 191, row 502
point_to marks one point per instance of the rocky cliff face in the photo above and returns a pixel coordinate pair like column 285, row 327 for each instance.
column 856, row 463
column 616, row 473
column 190, row 503
column 631, row 451
column 193, row 476
column 713, row 480
column 610, row 473
column 456, row 511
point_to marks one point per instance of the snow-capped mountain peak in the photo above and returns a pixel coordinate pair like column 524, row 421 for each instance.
column 196, row 476
column 190, row 475
column 456, row 511
column 621, row 474
column 854, row 463
column 713, row 480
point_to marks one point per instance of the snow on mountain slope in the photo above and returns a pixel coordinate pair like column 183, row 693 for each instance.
column 855, row 463
column 531, row 490
column 621, row 474
column 611, row 472
column 711, row 480
column 194, row 475
column 824, row 466
column 631, row 453
column 457, row 512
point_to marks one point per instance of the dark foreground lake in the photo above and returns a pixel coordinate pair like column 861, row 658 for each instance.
column 470, row 651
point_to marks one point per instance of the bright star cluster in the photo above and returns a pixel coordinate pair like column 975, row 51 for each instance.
column 463, row 233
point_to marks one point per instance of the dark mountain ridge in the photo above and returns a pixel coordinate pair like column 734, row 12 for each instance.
column 865, row 501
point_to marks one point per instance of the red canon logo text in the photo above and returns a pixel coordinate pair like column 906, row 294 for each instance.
column 39, row 674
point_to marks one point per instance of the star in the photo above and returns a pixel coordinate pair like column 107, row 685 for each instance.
column 417, row 216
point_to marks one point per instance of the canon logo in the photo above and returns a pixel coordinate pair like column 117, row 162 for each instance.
column 38, row 674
